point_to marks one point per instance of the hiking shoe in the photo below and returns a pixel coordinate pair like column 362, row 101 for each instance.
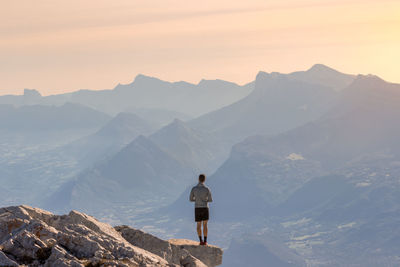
column 204, row 243
column 201, row 243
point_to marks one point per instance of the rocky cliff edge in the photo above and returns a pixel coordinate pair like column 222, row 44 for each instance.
column 34, row 237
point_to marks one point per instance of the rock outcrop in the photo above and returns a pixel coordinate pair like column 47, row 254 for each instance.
column 34, row 237
column 178, row 251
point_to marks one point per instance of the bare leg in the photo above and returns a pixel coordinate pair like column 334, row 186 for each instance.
column 199, row 228
column 205, row 228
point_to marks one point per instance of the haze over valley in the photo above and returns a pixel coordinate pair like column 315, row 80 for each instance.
column 304, row 167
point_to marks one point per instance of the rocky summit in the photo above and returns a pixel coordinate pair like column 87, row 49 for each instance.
column 35, row 237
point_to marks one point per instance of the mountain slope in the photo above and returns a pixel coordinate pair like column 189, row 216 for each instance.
column 146, row 93
column 140, row 173
column 364, row 123
column 332, row 183
column 164, row 163
column 278, row 103
column 108, row 140
column 325, row 76
column 50, row 118
column 201, row 151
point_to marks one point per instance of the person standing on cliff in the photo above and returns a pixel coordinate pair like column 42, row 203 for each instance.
column 201, row 195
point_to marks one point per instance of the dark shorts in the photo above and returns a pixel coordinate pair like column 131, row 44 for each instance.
column 201, row 214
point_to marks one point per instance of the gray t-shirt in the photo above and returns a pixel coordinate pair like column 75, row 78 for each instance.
column 201, row 195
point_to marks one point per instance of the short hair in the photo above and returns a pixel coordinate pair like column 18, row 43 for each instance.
column 202, row 178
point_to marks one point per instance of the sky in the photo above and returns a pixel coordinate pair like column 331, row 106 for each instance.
column 61, row 46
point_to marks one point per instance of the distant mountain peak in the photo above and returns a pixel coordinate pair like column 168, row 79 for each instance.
column 177, row 129
column 368, row 77
column 141, row 81
column 206, row 82
column 142, row 139
column 124, row 121
column 31, row 93
column 368, row 81
column 177, row 126
column 144, row 78
column 325, row 76
column 141, row 142
column 320, row 67
column 262, row 74
column 374, row 86
column 125, row 115
column 177, row 121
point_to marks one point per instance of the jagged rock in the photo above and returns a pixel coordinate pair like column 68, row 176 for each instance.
column 210, row 255
column 178, row 251
column 61, row 257
column 191, row 261
column 34, row 237
column 6, row 261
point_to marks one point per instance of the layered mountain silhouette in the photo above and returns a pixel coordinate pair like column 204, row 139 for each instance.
column 158, row 117
column 363, row 122
column 325, row 76
column 139, row 173
column 48, row 126
column 200, row 150
column 339, row 171
column 279, row 102
column 108, row 140
column 311, row 156
column 50, row 118
column 146, row 93
column 163, row 163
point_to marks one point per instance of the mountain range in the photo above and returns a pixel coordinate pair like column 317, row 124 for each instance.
column 145, row 93
column 337, row 171
column 303, row 169
column 329, row 187
column 168, row 158
column 279, row 102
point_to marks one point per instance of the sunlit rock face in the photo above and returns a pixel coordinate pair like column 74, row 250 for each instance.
column 178, row 251
column 35, row 237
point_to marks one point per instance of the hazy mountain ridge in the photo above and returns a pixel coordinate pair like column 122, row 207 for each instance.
column 200, row 150
column 324, row 179
column 278, row 103
column 168, row 158
column 324, row 75
column 136, row 174
column 50, row 118
column 28, row 137
column 108, row 140
column 358, row 146
column 323, row 187
column 146, row 92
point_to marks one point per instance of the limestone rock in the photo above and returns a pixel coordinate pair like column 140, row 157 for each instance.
column 210, row 255
column 191, row 261
column 178, row 251
column 34, row 237
column 6, row 261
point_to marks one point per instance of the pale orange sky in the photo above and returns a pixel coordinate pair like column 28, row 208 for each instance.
column 60, row 46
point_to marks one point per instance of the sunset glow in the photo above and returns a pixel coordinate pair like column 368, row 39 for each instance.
column 60, row 46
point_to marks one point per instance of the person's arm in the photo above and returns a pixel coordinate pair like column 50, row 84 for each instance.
column 209, row 199
column 191, row 197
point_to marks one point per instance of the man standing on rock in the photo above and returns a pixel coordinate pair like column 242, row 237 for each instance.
column 201, row 195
